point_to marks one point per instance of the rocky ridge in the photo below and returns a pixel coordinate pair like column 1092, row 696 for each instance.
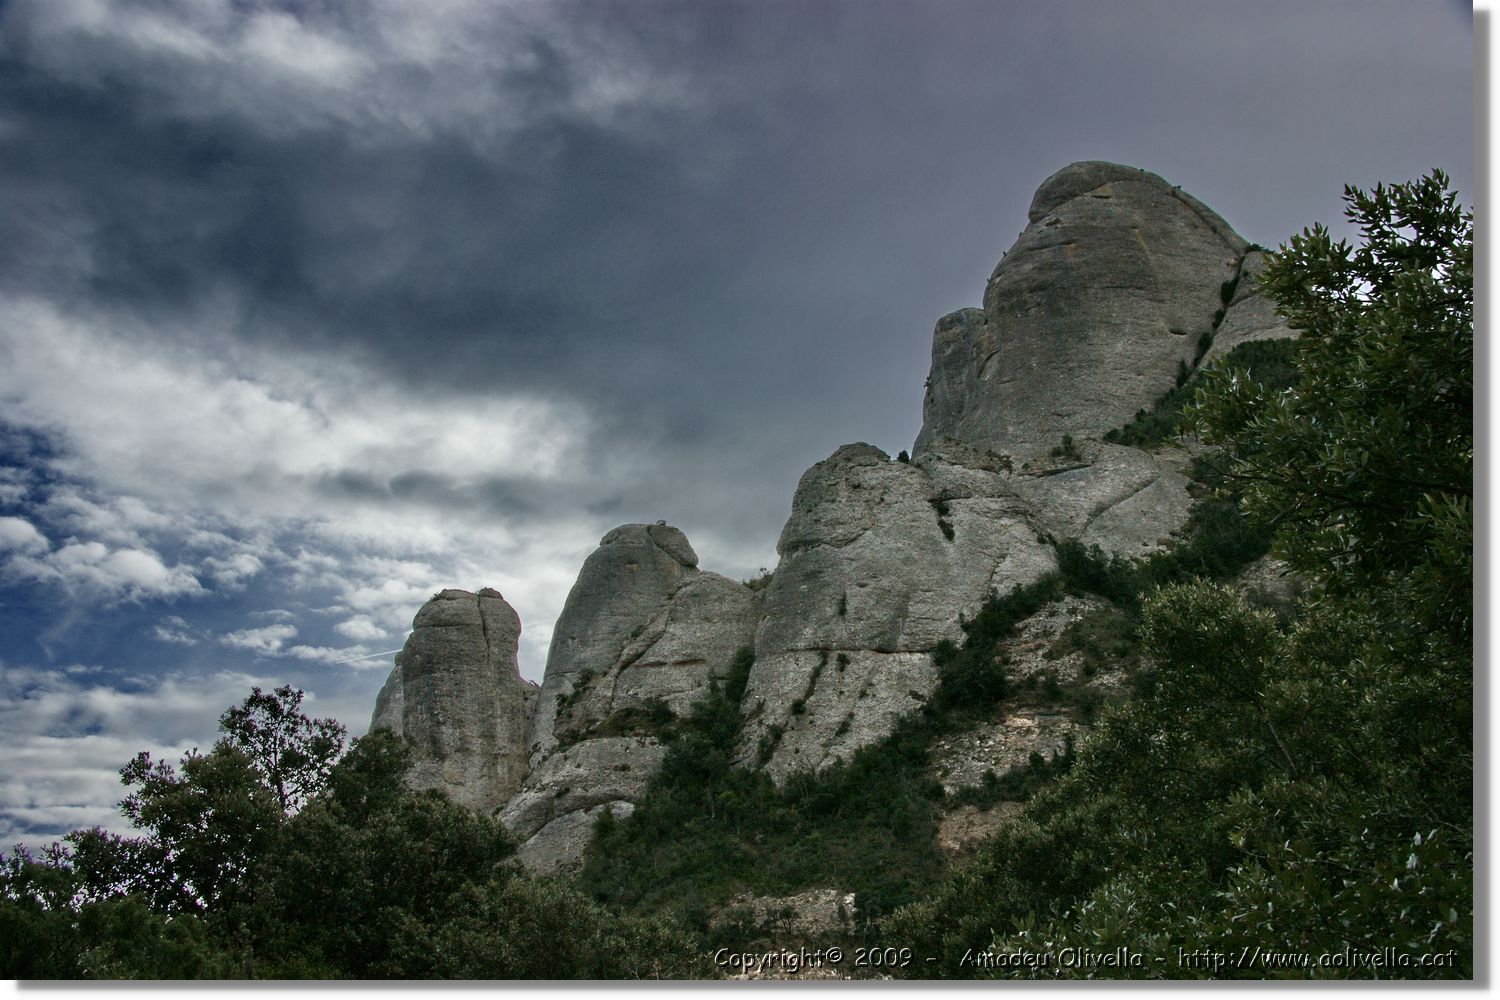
column 1119, row 286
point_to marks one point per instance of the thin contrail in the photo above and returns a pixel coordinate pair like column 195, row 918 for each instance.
column 368, row 656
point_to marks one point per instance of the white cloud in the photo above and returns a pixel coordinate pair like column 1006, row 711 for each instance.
column 162, row 424
column 64, row 736
column 120, row 520
column 357, row 657
column 19, row 535
column 400, row 69
column 95, row 568
column 264, row 641
column 235, row 570
column 228, row 470
column 360, row 627
column 15, row 484
column 174, row 630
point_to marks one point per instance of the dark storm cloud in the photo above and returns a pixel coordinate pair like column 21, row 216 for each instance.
column 775, row 219
column 725, row 228
column 495, row 496
column 308, row 309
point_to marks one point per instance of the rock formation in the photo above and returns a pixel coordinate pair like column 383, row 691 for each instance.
column 878, row 561
column 641, row 636
column 1118, row 287
column 456, row 695
column 1249, row 315
column 1087, row 317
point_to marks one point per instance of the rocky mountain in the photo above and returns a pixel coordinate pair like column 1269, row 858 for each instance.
column 1120, row 286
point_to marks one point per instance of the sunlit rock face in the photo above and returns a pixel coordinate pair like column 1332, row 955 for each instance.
column 457, row 697
column 642, row 636
column 1087, row 317
column 879, row 560
column 1119, row 287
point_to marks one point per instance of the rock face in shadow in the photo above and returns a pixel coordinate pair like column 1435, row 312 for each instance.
column 457, row 697
column 1086, row 319
column 1249, row 315
column 641, row 637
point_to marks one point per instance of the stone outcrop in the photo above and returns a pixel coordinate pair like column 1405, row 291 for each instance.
column 554, row 813
column 458, row 698
column 879, row 559
column 1124, row 500
column 620, row 587
column 1103, row 304
column 642, row 635
column 1249, row 315
column 1086, row 319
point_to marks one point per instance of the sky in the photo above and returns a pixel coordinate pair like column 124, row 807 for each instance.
column 309, row 309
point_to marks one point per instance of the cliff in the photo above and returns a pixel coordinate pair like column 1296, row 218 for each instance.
column 1120, row 286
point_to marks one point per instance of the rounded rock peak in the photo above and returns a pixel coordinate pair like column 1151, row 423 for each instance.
column 453, row 594
column 661, row 534
column 859, row 453
column 1080, row 178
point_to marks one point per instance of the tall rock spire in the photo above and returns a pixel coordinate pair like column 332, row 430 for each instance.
column 458, row 698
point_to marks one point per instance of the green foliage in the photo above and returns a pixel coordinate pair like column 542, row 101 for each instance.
column 1269, row 363
column 653, row 717
column 1227, row 289
column 1220, row 542
column 1067, row 449
column 365, row 880
column 1016, row 785
column 944, row 525
column 1105, row 636
column 1205, row 341
column 971, row 679
column 293, row 753
column 707, row 830
column 1366, row 464
column 1274, row 791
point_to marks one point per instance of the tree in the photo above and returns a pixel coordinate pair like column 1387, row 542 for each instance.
column 276, row 855
column 1365, row 468
column 294, row 754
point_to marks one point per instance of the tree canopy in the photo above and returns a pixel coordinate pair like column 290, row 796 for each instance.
column 1366, row 467
column 280, row 854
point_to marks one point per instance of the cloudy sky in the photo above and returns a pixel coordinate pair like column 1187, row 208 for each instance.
column 311, row 308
